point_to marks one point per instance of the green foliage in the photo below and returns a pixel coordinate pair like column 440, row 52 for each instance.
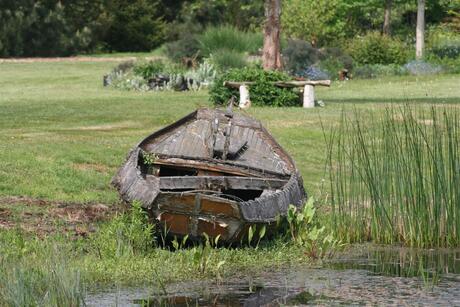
column 304, row 231
column 54, row 285
column 299, row 55
column 375, row 48
column 443, row 42
column 202, row 256
column 149, row 158
column 242, row 14
column 40, row 29
column 263, row 92
column 448, row 65
column 394, row 177
column 443, row 48
column 149, row 69
column 35, row 272
column 186, row 47
column 313, row 21
column 225, row 59
column 230, row 39
column 126, row 235
column 134, row 25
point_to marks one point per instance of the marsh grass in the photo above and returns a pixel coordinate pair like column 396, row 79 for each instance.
column 44, row 279
column 395, row 176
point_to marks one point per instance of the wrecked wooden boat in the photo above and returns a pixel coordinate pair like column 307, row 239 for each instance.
column 214, row 172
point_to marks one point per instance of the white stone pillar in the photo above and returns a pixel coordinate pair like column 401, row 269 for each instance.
column 245, row 101
column 309, row 96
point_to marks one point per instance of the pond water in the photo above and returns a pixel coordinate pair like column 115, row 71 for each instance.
column 362, row 276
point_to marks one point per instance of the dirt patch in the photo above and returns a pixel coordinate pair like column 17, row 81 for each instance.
column 291, row 123
column 43, row 217
column 100, row 168
column 106, row 127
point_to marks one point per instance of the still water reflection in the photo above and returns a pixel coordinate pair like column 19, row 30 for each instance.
column 363, row 276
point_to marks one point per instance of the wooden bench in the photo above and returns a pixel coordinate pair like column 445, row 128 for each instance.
column 308, row 90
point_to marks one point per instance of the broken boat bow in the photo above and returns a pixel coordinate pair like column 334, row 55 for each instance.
column 214, row 172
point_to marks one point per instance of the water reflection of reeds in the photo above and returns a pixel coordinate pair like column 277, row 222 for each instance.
column 430, row 265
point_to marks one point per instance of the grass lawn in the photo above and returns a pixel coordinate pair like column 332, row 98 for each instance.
column 63, row 135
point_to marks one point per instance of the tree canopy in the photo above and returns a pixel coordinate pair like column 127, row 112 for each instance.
column 64, row 27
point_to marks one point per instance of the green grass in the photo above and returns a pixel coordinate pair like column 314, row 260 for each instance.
column 56, row 118
column 63, row 136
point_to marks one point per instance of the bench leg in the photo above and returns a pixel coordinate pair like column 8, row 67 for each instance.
column 309, row 96
column 245, row 102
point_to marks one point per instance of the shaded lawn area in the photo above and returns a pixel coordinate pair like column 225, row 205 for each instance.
column 63, row 135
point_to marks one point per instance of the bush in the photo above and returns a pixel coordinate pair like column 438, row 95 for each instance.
column 448, row 65
column 263, row 92
column 374, row 48
column 159, row 75
column 229, row 38
column 225, row 59
column 443, row 42
column 302, row 59
column 186, row 47
column 450, row 51
column 149, row 69
column 298, row 55
column 333, row 60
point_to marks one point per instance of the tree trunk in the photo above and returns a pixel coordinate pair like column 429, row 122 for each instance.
column 271, row 57
column 387, row 17
column 420, row 30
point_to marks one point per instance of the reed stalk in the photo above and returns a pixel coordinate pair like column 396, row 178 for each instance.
column 395, row 176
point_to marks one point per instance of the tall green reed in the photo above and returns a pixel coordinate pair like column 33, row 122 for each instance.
column 39, row 277
column 395, row 176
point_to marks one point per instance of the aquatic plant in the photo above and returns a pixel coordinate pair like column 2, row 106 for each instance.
column 126, row 235
column 395, row 176
column 305, row 232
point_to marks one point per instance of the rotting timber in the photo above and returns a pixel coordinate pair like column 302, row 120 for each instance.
column 214, row 172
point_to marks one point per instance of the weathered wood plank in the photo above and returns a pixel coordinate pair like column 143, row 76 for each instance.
column 227, row 182
column 234, row 84
column 230, row 167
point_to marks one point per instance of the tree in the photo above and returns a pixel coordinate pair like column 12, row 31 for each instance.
column 318, row 22
column 387, row 17
column 271, row 56
column 135, row 25
column 420, row 29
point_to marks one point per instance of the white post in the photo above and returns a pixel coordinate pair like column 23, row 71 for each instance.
column 309, row 96
column 245, row 102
